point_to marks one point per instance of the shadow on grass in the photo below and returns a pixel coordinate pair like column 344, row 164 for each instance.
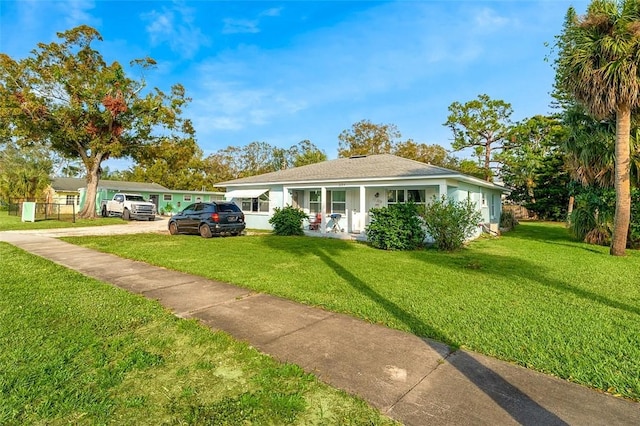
column 516, row 403
column 517, row 268
column 558, row 234
column 541, row 231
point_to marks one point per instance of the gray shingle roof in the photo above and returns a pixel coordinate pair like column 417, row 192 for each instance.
column 73, row 184
column 354, row 168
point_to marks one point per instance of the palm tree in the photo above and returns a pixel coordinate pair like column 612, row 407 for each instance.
column 598, row 64
column 589, row 148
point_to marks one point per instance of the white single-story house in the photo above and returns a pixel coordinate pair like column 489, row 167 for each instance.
column 352, row 186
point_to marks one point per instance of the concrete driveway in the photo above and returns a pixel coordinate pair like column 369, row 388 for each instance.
column 133, row 227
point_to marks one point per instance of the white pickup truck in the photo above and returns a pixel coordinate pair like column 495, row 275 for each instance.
column 128, row 206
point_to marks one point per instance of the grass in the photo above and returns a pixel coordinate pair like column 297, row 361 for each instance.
column 14, row 223
column 78, row 351
column 533, row 297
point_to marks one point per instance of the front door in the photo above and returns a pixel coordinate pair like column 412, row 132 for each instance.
column 154, row 199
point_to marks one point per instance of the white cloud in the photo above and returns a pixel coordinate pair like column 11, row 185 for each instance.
column 365, row 66
column 225, row 105
column 274, row 11
column 175, row 27
column 341, row 64
column 248, row 26
column 489, row 19
column 77, row 13
column 24, row 24
column 240, row 26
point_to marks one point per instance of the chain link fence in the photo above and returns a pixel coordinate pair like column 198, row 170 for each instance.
column 45, row 210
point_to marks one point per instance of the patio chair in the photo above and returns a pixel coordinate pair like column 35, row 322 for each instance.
column 334, row 223
column 314, row 222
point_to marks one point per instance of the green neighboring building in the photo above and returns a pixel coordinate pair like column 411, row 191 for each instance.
column 73, row 191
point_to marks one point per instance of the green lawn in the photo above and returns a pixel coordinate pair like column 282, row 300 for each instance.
column 533, row 296
column 11, row 223
column 78, row 351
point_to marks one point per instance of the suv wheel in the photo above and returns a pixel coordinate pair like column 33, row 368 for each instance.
column 173, row 228
column 205, row 231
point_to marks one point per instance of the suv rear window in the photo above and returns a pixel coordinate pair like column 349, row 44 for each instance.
column 228, row 207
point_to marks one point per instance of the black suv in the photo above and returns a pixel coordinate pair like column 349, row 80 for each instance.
column 208, row 219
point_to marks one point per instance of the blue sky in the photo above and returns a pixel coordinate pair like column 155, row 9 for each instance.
column 284, row 71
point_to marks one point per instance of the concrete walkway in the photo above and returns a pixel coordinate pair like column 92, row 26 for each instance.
column 415, row 381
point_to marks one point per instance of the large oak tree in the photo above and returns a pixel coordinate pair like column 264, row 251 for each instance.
column 599, row 65
column 65, row 96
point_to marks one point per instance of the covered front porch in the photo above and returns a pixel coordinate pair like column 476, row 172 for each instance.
column 341, row 209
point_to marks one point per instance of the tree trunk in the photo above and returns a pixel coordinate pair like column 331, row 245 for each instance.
column 487, row 162
column 570, row 209
column 93, row 177
column 622, row 182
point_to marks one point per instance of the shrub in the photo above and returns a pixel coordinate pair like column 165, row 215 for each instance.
column 167, row 209
column 581, row 222
column 508, row 220
column 397, row 227
column 592, row 218
column 450, row 223
column 287, row 221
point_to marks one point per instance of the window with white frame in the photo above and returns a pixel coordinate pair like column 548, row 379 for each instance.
column 338, row 201
column 71, row 200
column 399, row 196
column 315, row 201
column 252, row 205
column 186, row 197
column 395, row 196
column 167, row 197
column 417, row 196
column 484, row 199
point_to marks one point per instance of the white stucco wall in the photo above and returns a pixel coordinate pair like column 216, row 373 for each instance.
column 354, row 220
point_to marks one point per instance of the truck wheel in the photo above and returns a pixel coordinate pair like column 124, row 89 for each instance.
column 126, row 215
column 104, row 211
column 205, row 231
column 173, row 228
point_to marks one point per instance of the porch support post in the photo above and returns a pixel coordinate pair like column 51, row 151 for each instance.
column 286, row 197
column 363, row 212
column 323, row 209
column 443, row 188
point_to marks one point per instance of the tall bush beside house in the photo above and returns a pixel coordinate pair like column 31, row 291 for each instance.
column 450, row 223
column 508, row 221
column 287, row 221
column 397, row 227
column 592, row 218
